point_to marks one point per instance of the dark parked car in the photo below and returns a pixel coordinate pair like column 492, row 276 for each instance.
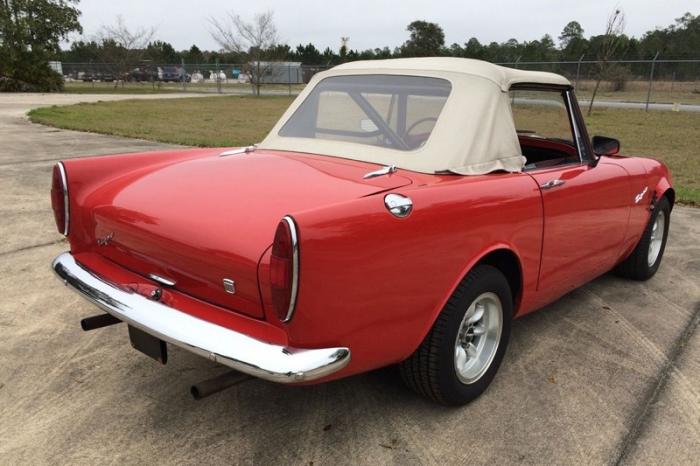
column 174, row 74
column 140, row 74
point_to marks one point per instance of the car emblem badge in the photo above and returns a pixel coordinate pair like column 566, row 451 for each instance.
column 105, row 241
column 640, row 196
column 229, row 286
column 161, row 280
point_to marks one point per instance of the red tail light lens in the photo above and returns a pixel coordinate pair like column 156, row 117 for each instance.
column 284, row 269
column 59, row 198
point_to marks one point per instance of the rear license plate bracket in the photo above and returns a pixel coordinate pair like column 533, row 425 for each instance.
column 148, row 344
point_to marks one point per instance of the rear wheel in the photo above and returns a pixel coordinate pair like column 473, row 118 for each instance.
column 460, row 355
column 644, row 261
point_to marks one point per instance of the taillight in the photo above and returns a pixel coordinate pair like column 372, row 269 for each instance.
column 284, row 269
column 59, row 198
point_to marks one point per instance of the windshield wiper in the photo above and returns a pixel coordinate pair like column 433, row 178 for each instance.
column 381, row 172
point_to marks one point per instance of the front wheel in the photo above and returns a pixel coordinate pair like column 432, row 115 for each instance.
column 644, row 261
column 459, row 357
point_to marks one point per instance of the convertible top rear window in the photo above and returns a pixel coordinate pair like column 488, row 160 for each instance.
column 392, row 111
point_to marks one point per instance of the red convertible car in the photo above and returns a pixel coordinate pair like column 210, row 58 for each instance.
column 400, row 212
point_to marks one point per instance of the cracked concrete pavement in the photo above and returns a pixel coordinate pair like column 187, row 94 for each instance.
column 610, row 374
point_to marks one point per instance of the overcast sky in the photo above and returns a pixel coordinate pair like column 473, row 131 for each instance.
column 376, row 23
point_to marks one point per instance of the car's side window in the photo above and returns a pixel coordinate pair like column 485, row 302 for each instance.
column 544, row 128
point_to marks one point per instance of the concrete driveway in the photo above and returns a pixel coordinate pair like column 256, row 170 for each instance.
column 609, row 374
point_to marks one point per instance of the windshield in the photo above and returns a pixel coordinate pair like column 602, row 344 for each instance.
column 392, row 111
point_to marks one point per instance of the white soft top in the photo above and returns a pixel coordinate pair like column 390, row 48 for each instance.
column 474, row 134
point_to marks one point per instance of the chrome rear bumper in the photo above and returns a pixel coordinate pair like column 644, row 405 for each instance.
column 228, row 347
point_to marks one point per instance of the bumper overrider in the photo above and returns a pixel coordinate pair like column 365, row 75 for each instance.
column 228, row 347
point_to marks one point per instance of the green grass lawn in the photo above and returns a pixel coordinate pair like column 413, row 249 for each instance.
column 200, row 121
column 673, row 137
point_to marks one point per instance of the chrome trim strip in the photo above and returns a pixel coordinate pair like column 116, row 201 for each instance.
column 241, row 150
column 66, row 209
column 574, row 123
column 162, row 280
column 295, row 267
column 552, row 184
column 381, row 172
column 228, row 347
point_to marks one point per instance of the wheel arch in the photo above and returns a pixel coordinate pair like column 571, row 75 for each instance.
column 499, row 256
column 508, row 263
column 669, row 194
column 660, row 180
column 503, row 258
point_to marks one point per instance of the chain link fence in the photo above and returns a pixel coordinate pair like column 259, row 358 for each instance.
column 278, row 78
column 657, row 83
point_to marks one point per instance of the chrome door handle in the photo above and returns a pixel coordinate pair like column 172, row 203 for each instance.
column 552, row 184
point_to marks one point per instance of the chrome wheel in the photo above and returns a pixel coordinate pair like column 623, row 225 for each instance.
column 657, row 238
column 478, row 337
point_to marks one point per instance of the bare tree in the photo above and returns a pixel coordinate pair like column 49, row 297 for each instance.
column 255, row 38
column 124, row 47
column 612, row 40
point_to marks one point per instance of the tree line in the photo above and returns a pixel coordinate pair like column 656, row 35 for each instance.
column 31, row 32
column 680, row 40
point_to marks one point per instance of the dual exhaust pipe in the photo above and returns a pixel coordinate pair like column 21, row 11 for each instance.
column 199, row 390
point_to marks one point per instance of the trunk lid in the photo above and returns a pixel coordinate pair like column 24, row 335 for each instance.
column 200, row 221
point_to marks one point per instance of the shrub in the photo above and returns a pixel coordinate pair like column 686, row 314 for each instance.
column 617, row 75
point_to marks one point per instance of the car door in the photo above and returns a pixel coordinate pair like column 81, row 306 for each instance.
column 585, row 219
column 586, row 205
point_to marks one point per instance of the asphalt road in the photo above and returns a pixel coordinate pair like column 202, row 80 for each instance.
column 615, row 104
column 642, row 105
column 610, row 374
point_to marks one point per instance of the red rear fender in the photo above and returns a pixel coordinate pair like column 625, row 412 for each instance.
column 376, row 282
column 86, row 174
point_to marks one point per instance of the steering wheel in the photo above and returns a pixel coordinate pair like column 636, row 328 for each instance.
column 416, row 123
